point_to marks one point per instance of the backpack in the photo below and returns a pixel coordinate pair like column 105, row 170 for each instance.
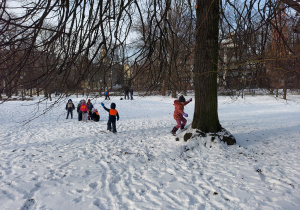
column 83, row 107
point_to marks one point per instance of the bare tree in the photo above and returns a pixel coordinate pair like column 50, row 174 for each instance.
column 241, row 30
column 81, row 28
column 71, row 48
column 166, row 44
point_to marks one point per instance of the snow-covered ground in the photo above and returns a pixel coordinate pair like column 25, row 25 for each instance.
column 55, row 163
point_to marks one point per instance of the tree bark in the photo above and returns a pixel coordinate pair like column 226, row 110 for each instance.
column 284, row 89
column 163, row 88
column 205, row 68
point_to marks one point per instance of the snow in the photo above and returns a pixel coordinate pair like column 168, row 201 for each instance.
column 58, row 163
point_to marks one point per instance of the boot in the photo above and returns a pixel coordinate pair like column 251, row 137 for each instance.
column 174, row 130
column 182, row 127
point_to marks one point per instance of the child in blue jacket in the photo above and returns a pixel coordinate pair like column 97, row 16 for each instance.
column 113, row 117
column 106, row 93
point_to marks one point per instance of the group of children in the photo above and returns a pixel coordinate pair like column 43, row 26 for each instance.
column 86, row 111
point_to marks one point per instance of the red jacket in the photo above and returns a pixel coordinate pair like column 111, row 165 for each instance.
column 179, row 109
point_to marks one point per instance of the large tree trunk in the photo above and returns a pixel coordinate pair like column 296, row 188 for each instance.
column 206, row 119
column 205, row 69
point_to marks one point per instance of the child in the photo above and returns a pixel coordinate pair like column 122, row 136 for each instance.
column 95, row 115
column 70, row 107
column 90, row 107
column 84, row 110
column 106, row 93
column 113, row 116
column 78, row 111
column 179, row 113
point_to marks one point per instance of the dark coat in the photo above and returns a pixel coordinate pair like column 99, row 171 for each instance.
column 90, row 106
column 95, row 117
column 78, row 107
column 70, row 108
column 126, row 91
column 112, row 118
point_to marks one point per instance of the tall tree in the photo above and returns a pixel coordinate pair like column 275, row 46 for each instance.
column 206, row 67
column 83, row 28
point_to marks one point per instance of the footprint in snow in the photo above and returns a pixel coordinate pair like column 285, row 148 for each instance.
column 28, row 204
column 93, row 185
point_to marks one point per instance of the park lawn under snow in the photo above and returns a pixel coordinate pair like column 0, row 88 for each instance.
column 55, row 163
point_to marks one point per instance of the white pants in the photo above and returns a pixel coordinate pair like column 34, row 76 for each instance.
column 84, row 116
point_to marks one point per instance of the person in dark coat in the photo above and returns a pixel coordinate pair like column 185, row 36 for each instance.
column 95, row 115
column 78, row 110
column 126, row 92
column 90, row 106
column 113, row 117
column 70, row 107
column 131, row 93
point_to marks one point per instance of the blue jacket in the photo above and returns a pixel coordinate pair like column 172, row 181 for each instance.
column 90, row 106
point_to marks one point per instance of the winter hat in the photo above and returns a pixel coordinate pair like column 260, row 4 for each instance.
column 181, row 98
column 89, row 100
column 113, row 106
column 70, row 100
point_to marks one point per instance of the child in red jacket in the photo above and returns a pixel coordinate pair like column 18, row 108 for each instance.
column 179, row 113
column 84, row 110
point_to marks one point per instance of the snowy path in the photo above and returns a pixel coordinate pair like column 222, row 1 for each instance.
column 54, row 163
